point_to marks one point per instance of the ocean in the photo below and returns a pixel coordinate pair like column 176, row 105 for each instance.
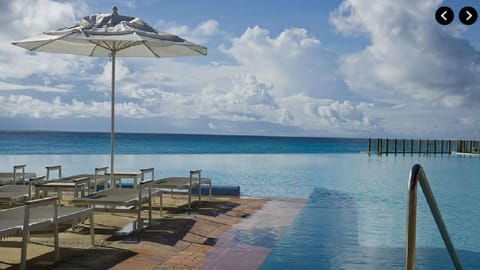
column 75, row 143
column 355, row 202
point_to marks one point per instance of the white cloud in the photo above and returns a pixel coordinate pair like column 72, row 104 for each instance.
column 294, row 62
column 208, row 28
column 23, row 105
column 41, row 88
column 201, row 34
column 417, row 120
column 129, row 3
column 288, row 82
column 242, row 99
column 103, row 81
column 25, row 18
column 409, row 58
column 22, row 19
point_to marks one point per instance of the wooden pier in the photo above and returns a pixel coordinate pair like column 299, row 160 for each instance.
column 421, row 147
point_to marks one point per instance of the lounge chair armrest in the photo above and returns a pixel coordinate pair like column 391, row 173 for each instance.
column 142, row 183
column 205, row 180
column 192, row 172
column 20, row 166
column 37, row 180
column 101, row 169
column 81, row 180
column 43, row 201
column 18, row 170
column 56, row 167
column 183, row 186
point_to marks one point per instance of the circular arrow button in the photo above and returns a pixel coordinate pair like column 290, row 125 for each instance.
column 444, row 15
column 468, row 15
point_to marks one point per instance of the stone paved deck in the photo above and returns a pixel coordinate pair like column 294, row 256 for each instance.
column 177, row 241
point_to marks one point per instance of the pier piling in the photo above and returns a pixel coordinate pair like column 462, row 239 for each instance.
column 383, row 146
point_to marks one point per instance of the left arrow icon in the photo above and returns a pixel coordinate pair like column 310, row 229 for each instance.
column 444, row 15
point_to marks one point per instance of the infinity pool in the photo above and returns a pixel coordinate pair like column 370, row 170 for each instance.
column 356, row 209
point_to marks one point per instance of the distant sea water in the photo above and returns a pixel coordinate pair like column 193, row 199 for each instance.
column 356, row 207
column 37, row 142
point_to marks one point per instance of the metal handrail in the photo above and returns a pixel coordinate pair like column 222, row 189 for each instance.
column 418, row 175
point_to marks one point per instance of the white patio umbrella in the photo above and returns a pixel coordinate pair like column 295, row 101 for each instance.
column 112, row 35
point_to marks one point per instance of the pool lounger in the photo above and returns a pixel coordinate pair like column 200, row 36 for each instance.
column 40, row 214
column 18, row 176
column 123, row 199
column 184, row 185
column 83, row 183
column 14, row 194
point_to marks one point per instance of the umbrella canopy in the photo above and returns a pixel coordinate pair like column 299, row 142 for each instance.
column 112, row 35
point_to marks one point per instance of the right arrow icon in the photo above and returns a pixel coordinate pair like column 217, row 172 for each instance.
column 468, row 15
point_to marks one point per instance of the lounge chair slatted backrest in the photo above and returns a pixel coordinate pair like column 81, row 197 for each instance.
column 101, row 177
column 79, row 183
column 18, row 176
column 123, row 199
column 40, row 214
column 27, row 225
column 34, row 181
column 51, row 169
column 148, row 175
column 184, row 185
column 14, row 194
column 19, row 173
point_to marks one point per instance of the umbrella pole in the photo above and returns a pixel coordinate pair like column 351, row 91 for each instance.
column 112, row 124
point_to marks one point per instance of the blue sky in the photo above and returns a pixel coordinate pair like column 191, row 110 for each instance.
column 351, row 68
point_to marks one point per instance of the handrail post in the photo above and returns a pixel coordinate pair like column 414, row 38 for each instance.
column 418, row 175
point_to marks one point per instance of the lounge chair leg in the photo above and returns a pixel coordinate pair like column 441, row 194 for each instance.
column 210, row 191
column 25, row 239
column 139, row 217
column 190, row 197
column 56, row 242
column 92, row 230
column 199, row 188
column 199, row 193
column 149, row 211
column 161, row 204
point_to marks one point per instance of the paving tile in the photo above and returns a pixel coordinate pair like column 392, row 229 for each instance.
column 193, row 238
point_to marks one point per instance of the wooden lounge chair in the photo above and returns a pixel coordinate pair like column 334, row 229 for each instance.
column 40, row 214
column 123, row 199
column 80, row 183
column 184, row 185
column 15, row 194
column 101, row 177
column 17, row 177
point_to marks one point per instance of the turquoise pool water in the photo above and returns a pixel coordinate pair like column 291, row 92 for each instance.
column 326, row 235
column 357, row 202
